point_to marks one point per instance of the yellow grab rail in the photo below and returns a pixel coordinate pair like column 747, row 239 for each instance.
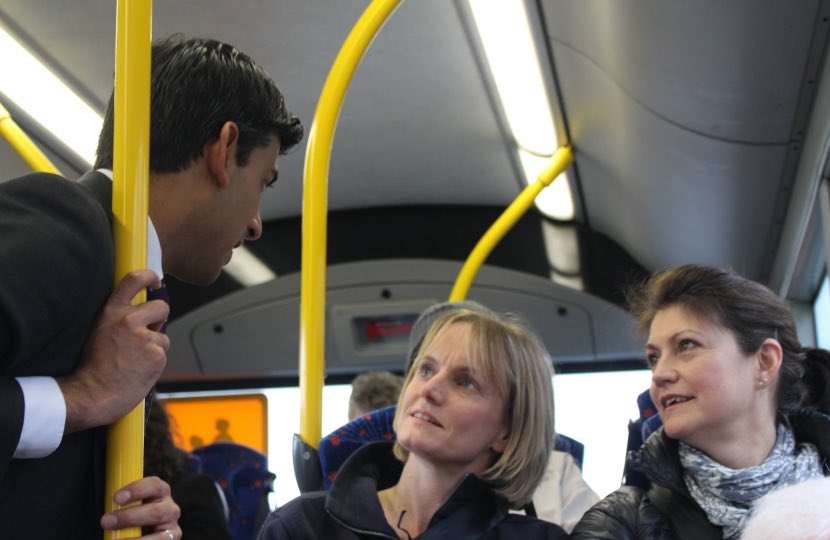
column 23, row 145
column 131, row 152
column 561, row 159
column 315, row 201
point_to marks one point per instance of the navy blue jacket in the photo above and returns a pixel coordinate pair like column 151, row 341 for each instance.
column 352, row 510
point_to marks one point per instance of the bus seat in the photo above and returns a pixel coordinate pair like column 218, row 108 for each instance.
column 306, row 460
column 339, row 444
column 336, row 447
column 572, row 446
column 243, row 475
column 638, row 431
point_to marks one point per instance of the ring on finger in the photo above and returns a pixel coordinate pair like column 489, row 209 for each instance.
column 170, row 535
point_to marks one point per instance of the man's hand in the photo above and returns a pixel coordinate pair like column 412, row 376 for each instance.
column 123, row 358
column 157, row 512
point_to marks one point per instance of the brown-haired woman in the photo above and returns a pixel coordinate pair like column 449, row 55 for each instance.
column 744, row 408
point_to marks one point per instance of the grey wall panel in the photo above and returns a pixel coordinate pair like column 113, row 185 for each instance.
column 255, row 332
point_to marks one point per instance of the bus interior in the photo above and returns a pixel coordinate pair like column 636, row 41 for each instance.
column 700, row 133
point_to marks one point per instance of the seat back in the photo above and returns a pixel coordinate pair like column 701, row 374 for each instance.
column 338, row 445
column 638, row 431
column 243, row 475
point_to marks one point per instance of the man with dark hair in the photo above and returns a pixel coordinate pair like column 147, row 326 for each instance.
column 75, row 354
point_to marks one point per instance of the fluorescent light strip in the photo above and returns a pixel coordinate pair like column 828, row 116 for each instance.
column 508, row 46
column 47, row 99
column 505, row 34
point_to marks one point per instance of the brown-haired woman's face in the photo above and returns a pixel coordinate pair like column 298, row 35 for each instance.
column 449, row 415
column 702, row 383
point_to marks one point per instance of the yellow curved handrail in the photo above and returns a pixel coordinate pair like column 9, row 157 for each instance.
column 315, row 201
column 561, row 159
column 131, row 153
column 23, row 145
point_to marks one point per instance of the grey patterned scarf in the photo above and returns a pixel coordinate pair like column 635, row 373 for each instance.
column 727, row 495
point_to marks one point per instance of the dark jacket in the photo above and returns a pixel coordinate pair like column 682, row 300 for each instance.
column 203, row 513
column 667, row 511
column 56, row 271
column 352, row 510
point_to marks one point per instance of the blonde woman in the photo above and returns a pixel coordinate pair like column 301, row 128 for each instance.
column 474, row 431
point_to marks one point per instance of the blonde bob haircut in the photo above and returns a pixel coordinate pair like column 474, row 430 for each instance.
column 503, row 351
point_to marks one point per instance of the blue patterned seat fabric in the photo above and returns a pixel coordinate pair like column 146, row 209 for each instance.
column 243, row 475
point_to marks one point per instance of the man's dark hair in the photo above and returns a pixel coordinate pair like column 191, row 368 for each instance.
column 197, row 85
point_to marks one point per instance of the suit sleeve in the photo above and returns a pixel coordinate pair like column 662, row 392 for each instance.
column 56, row 272
column 11, row 419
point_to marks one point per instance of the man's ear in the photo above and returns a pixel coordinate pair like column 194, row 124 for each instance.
column 220, row 153
column 770, row 356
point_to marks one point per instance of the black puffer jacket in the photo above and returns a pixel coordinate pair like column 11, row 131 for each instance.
column 667, row 511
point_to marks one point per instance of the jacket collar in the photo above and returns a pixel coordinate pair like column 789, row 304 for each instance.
column 99, row 184
column 659, row 460
column 469, row 511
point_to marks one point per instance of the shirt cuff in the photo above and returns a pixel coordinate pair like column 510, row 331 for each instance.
column 44, row 417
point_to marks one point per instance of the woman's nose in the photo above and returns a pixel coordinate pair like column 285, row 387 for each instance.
column 433, row 389
column 662, row 372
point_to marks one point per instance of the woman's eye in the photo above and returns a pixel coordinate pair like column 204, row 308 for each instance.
column 686, row 344
column 651, row 360
column 425, row 371
column 468, row 383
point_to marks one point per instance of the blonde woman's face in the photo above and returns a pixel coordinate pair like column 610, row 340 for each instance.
column 449, row 415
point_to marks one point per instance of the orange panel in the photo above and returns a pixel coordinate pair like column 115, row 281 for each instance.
column 242, row 419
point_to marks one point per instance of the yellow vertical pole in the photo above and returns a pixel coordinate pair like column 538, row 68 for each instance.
column 23, row 145
column 131, row 153
column 315, row 201
column 561, row 159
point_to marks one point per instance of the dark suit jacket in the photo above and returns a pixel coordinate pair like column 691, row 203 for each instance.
column 56, row 272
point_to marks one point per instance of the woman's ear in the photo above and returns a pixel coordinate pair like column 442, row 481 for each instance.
column 220, row 153
column 769, row 357
column 500, row 443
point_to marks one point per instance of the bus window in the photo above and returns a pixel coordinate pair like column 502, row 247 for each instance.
column 595, row 408
column 283, row 423
column 240, row 419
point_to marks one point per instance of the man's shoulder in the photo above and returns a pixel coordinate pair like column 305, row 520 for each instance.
column 45, row 186
column 53, row 198
column 35, row 181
